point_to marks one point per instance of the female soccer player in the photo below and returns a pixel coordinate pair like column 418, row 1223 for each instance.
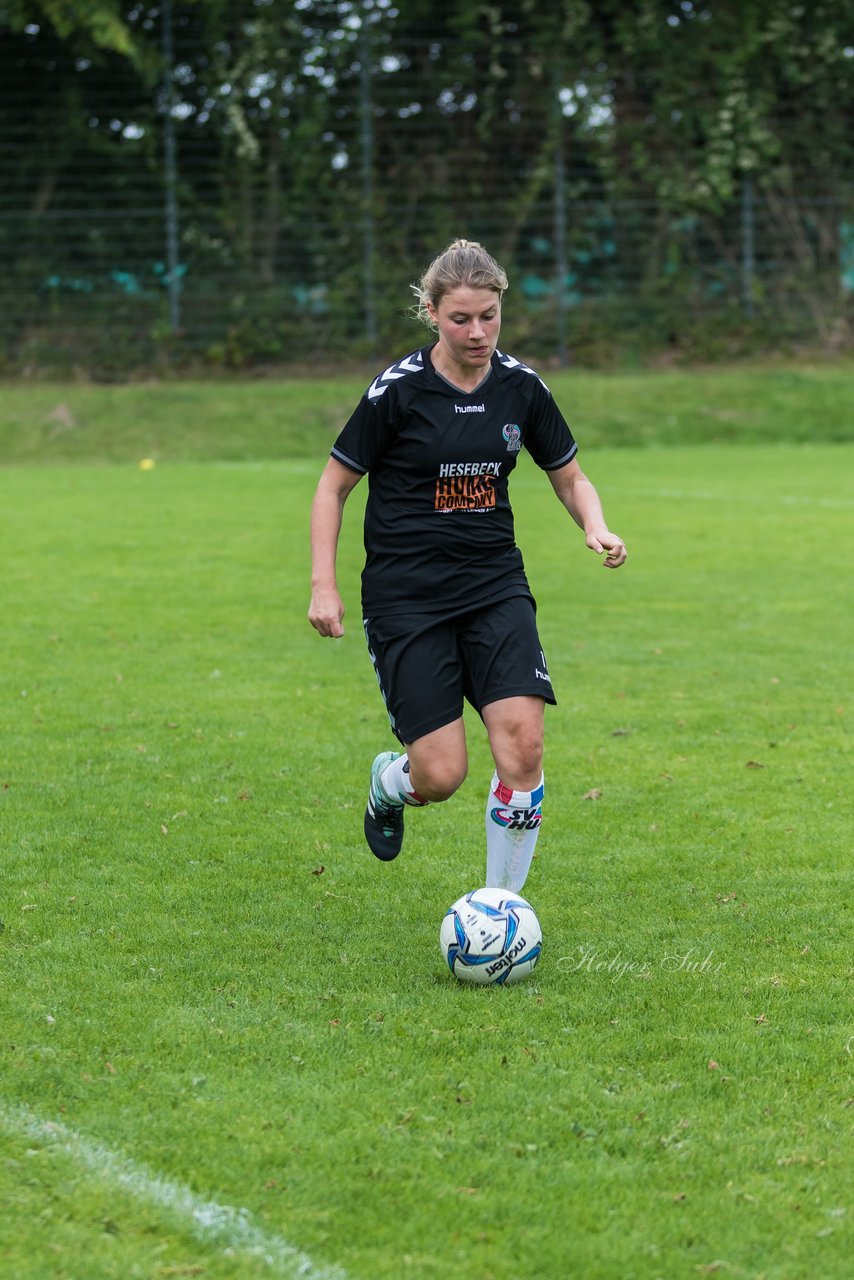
column 447, row 609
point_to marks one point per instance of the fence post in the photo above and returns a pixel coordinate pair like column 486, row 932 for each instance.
column 559, row 215
column 170, row 172
column 747, row 256
column 366, row 115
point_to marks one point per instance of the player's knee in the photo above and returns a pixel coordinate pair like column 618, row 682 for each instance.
column 529, row 762
column 438, row 779
column 520, row 757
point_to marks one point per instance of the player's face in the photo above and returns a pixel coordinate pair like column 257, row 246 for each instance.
column 469, row 321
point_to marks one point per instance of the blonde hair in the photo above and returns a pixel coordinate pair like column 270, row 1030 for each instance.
column 464, row 264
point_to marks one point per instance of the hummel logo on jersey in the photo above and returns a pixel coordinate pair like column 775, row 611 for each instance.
column 469, row 408
column 412, row 363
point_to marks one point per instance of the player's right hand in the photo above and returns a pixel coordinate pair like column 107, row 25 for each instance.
column 326, row 612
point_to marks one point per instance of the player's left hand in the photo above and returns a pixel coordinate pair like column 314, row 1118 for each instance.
column 611, row 544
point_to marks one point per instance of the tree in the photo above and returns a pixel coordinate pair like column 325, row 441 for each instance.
column 98, row 24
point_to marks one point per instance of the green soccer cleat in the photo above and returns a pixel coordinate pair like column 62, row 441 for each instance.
column 383, row 817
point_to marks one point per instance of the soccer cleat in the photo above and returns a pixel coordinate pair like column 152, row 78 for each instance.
column 383, row 817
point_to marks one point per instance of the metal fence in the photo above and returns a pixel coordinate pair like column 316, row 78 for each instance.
column 137, row 228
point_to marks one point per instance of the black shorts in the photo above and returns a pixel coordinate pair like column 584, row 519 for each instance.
column 428, row 665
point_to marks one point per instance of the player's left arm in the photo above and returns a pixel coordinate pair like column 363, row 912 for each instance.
column 582, row 502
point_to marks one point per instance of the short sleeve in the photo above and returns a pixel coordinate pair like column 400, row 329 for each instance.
column 548, row 438
column 366, row 435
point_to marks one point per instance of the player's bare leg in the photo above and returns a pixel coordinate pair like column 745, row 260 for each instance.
column 431, row 769
column 439, row 761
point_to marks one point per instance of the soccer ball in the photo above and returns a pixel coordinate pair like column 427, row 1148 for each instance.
column 491, row 936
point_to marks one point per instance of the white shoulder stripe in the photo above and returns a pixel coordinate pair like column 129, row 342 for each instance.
column 413, row 363
column 510, row 362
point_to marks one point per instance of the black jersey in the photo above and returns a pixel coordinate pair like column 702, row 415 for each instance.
column 439, row 530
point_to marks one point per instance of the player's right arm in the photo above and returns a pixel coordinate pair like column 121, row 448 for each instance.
column 326, row 611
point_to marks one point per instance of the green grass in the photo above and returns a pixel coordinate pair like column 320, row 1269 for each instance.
column 204, row 972
column 49, row 422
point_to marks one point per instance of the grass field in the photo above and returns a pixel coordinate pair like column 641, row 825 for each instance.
column 229, row 1046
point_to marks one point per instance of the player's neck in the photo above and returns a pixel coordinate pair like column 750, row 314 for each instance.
column 465, row 378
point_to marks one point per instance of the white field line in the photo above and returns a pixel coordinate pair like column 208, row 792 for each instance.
column 755, row 499
column 698, row 495
column 308, row 466
column 210, row 1222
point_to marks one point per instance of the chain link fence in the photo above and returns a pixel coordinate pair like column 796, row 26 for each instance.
column 191, row 219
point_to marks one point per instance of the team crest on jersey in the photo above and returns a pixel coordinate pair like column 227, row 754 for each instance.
column 513, row 436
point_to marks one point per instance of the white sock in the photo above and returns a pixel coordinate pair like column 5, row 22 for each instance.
column 397, row 783
column 512, row 826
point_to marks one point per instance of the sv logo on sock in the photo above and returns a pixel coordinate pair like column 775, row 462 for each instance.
column 518, row 819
